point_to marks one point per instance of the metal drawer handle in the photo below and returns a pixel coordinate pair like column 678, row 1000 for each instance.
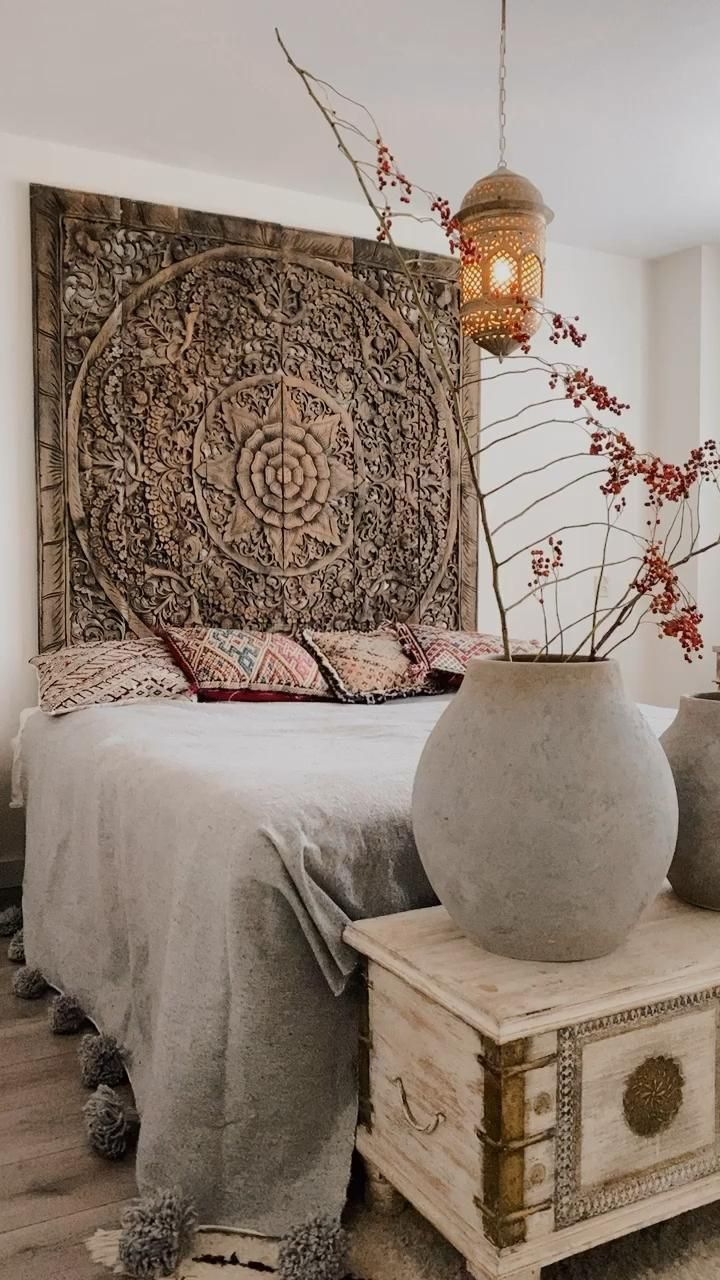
column 407, row 1111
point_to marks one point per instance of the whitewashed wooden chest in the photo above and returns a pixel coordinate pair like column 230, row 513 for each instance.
column 531, row 1111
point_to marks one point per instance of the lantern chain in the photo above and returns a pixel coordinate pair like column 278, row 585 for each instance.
column 502, row 118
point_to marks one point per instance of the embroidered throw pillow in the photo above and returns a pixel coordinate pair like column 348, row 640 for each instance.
column 368, row 666
column 105, row 671
column 448, row 652
column 231, row 666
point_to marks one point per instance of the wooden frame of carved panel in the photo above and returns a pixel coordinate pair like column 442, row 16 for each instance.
column 241, row 424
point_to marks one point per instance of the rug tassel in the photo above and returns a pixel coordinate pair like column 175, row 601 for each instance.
column 103, row 1249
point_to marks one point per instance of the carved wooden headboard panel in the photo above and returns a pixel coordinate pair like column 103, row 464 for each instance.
column 239, row 423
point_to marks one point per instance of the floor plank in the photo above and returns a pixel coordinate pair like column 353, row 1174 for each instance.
column 7, row 970
column 55, row 1250
column 42, row 1129
column 31, row 1081
column 13, row 1010
column 59, row 1185
column 54, row 1192
column 29, row 1039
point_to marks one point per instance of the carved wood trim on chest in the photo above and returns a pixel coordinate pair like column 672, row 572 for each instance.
column 240, row 424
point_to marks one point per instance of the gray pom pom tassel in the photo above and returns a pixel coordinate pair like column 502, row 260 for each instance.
column 101, row 1061
column 10, row 921
column 111, row 1127
column 317, row 1250
column 16, row 948
column 29, row 984
column 65, row 1016
column 157, row 1232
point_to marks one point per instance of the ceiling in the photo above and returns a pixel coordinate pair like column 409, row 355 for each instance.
column 614, row 105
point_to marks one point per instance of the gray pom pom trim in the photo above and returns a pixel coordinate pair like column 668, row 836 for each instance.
column 10, row 921
column 65, row 1016
column 317, row 1250
column 16, row 949
column 157, row 1232
column 101, row 1061
column 110, row 1126
column 29, row 984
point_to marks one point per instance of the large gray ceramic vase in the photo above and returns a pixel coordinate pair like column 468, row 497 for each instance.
column 692, row 745
column 544, row 809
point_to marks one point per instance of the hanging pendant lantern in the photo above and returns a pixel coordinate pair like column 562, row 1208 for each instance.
column 502, row 223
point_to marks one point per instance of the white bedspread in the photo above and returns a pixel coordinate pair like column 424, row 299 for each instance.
column 189, row 873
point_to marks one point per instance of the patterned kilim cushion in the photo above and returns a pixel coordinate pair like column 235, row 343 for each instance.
column 368, row 666
column 119, row 671
column 449, row 651
column 229, row 665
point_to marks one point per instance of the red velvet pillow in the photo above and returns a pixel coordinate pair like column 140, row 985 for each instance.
column 232, row 666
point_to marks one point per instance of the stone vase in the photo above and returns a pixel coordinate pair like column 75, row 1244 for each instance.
column 692, row 745
column 544, row 808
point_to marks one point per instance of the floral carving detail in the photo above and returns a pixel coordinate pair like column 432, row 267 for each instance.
column 653, row 1096
column 282, row 475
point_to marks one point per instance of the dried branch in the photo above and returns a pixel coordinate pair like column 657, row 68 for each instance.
column 544, row 498
column 598, row 585
column 533, row 471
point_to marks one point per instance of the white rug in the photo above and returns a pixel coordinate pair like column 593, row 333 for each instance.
column 407, row 1248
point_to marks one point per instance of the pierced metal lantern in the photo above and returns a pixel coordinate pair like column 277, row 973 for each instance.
column 502, row 222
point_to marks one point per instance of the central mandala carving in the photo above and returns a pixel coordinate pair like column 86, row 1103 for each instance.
column 283, row 483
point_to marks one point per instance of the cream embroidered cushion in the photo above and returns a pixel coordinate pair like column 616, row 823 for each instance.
column 367, row 666
column 117, row 671
column 448, row 652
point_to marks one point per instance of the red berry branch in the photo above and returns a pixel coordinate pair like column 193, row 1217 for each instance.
column 623, row 478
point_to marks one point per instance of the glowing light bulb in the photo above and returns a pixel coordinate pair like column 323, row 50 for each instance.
column 502, row 274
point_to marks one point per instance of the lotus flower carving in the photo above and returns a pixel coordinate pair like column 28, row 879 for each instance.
column 282, row 474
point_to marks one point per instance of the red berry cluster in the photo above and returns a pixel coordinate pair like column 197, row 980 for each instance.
column 566, row 330
column 658, row 579
column 684, row 626
column 657, row 575
column 384, row 225
column 544, row 564
column 457, row 240
column 520, row 334
column 622, row 456
column 671, row 482
column 582, row 389
column 388, row 174
column 665, row 481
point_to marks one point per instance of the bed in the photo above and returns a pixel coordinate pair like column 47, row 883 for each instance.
column 190, row 868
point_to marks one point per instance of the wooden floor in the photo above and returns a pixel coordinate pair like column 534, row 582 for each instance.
column 54, row 1192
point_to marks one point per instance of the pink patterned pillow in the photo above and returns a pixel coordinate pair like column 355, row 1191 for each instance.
column 448, row 652
column 105, row 671
column 231, row 665
column 368, row 666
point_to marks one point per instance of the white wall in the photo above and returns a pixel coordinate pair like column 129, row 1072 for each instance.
column 610, row 295
column 684, row 410
column 708, row 566
column 608, row 292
